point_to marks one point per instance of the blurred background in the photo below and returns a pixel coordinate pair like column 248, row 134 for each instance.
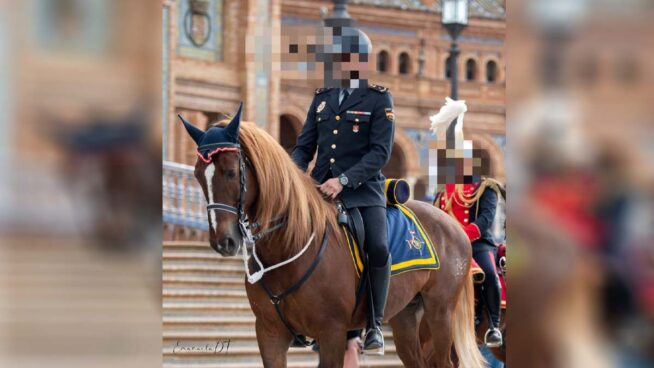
column 90, row 89
column 80, row 202
column 580, row 176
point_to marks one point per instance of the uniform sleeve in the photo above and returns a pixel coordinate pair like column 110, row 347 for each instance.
column 485, row 215
column 382, row 131
column 306, row 143
column 437, row 199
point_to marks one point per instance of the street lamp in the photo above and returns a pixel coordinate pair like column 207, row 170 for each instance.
column 454, row 17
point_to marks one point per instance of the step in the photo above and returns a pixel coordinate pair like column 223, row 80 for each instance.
column 206, row 314
column 174, row 244
column 213, row 333
column 211, row 348
column 202, row 280
column 203, row 293
column 195, row 256
column 220, row 306
column 170, row 267
column 364, row 361
column 209, row 320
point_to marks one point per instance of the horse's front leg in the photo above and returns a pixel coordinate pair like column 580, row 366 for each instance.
column 332, row 347
column 273, row 343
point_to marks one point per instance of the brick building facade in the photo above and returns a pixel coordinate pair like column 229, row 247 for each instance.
column 207, row 79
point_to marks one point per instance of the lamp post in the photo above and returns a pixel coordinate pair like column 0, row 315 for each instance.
column 454, row 17
column 340, row 17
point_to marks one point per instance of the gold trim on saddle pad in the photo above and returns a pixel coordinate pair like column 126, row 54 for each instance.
column 405, row 266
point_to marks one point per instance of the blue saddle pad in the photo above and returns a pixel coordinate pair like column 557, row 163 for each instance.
column 410, row 246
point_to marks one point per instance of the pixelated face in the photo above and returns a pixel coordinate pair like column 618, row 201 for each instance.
column 346, row 56
column 338, row 56
column 460, row 165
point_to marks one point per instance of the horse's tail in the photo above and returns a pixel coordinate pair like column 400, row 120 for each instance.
column 465, row 341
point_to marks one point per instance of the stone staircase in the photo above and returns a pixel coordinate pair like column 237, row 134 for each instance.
column 204, row 306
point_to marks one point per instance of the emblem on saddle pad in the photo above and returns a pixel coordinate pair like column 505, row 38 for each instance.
column 415, row 242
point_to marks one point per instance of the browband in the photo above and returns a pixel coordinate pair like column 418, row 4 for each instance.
column 215, row 148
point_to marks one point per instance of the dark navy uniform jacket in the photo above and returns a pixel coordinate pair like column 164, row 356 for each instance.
column 475, row 219
column 354, row 139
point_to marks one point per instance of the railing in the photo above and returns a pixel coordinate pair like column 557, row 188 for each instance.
column 183, row 200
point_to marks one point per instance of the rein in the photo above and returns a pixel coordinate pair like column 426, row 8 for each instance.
column 246, row 228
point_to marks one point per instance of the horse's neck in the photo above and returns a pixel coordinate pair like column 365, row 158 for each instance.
column 272, row 250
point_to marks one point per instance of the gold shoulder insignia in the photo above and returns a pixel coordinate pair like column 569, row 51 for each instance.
column 493, row 184
column 378, row 88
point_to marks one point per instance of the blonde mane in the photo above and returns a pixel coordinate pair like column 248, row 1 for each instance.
column 284, row 190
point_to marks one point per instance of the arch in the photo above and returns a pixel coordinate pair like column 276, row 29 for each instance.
column 396, row 166
column 485, row 142
column 499, row 76
column 404, row 63
column 420, row 190
column 214, row 117
column 383, row 61
column 447, row 68
column 471, row 70
column 491, row 71
column 411, row 159
column 289, row 128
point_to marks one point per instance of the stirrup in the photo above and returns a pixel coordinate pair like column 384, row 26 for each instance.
column 493, row 345
column 373, row 348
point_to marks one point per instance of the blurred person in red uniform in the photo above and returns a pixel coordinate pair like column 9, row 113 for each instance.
column 471, row 200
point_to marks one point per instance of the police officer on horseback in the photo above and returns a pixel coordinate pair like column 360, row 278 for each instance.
column 351, row 125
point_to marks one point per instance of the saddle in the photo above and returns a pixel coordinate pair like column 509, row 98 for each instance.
column 397, row 191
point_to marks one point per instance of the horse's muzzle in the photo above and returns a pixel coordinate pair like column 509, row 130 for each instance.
column 226, row 247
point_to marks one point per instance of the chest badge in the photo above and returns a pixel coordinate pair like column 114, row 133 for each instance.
column 321, row 106
column 355, row 128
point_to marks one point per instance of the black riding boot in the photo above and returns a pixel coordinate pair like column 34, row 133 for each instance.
column 379, row 281
column 493, row 299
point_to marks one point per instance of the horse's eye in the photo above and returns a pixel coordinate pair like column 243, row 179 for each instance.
column 230, row 174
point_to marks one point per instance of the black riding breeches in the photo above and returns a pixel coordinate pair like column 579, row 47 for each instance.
column 490, row 290
column 376, row 242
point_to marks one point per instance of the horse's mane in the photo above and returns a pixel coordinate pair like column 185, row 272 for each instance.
column 284, row 190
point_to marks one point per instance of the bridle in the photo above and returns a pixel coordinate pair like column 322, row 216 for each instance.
column 206, row 153
column 245, row 227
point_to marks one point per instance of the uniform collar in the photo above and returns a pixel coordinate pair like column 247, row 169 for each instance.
column 355, row 97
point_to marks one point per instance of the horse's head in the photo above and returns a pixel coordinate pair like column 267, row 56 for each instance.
column 223, row 176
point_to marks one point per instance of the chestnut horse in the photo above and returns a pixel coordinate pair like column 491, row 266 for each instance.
column 258, row 176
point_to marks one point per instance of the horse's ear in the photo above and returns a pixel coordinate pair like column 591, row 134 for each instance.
column 233, row 128
column 194, row 132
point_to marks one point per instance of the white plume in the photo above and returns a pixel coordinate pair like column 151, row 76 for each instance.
column 448, row 112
